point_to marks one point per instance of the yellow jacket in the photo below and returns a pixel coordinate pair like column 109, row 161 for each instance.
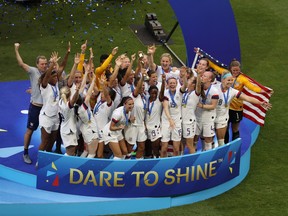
column 239, row 82
column 99, row 70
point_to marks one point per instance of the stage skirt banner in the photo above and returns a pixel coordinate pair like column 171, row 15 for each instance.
column 138, row 178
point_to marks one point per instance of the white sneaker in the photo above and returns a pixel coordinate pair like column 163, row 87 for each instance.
column 27, row 159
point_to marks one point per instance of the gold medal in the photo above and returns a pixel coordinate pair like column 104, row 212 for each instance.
column 184, row 105
column 226, row 105
column 89, row 121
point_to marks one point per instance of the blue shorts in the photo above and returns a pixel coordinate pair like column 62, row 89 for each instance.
column 33, row 117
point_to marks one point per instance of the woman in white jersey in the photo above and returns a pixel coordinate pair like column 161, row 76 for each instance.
column 68, row 125
column 189, row 105
column 112, row 133
column 171, row 127
column 102, row 112
column 87, row 122
column 226, row 94
column 153, row 116
column 165, row 66
column 135, row 133
column 48, row 118
column 206, row 110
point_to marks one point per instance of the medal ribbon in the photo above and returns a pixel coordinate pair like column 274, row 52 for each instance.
column 55, row 92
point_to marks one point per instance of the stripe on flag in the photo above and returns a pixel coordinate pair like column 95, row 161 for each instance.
column 256, row 113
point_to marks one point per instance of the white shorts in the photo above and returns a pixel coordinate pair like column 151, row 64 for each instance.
column 221, row 121
column 49, row 123
column 134, row 134
column 189, row 130
column 100, row 135
column 206, row 129
column 171, row 134
column 69, row 139
column 112, row 136
column 219, row 125
column 154, row 133
column 88, row 134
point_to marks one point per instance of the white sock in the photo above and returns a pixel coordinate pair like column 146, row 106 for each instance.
column 221, row 142
column 84, row 153
column 117, row 158
column 208, row 146
column 91, row 155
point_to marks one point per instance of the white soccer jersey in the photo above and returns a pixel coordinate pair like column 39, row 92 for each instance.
column 119, row 117
column 189, row 105
column 140, row 106
column 204, row 115
column 87, row 123
column 175, row 102
column 50, row 96
column 225, row 98
column 147, row 86
column 86, row 116
column 67, row 113
column 153, row 114
column 102, row 113
column 72, row 90
column 171, row 73
column 127, row 89
column 118, row 97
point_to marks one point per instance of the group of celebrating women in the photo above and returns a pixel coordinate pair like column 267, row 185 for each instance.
column 130, row 110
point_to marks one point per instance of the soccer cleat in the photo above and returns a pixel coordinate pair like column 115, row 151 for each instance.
column 27, row 159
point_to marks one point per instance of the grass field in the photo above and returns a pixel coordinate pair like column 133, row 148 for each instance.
column 263, row 31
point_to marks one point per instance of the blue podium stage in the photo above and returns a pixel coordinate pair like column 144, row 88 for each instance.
column 77, row 186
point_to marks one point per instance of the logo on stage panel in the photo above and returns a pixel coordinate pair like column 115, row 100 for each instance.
column 139, row 178
column 52, row 173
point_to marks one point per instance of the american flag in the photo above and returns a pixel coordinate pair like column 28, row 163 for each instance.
column 256, row 113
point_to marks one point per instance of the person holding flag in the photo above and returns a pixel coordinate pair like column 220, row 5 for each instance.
column 241, row 82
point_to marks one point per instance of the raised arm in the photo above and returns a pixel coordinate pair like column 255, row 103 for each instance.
column 129, row 71
column 107, row 61
column 83, row 83
column 75, row 96
column 73, row 70
column 19, row 59
column 103, row 84
column 65, row 60
column 199, row 72
column 82, row 56
column 185, row 84
column 114, row 75
column 90, row 90
column 161, row 94
column 45, row 80
column 138, row 88
column 150, row 55
column 56, row 67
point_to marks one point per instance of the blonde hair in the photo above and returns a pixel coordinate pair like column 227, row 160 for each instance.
column 168, row 56
column 65, row 93
column 225, row 74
